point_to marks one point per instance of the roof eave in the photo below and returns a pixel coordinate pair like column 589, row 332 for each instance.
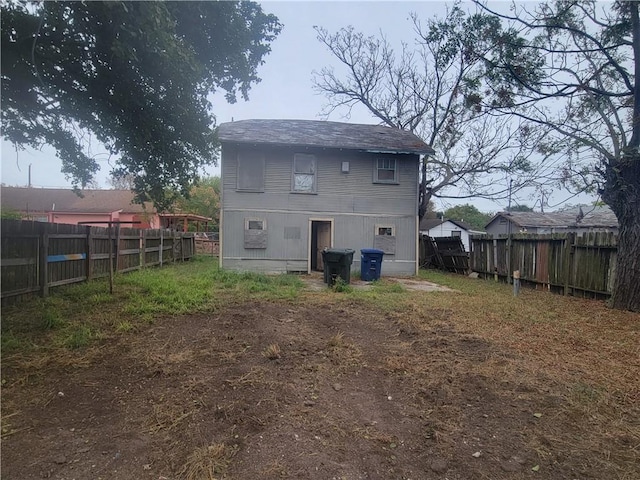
column 417, row 151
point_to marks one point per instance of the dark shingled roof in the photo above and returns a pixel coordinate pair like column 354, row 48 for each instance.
column 315, row 133
column 56, row 199
column 600, row 216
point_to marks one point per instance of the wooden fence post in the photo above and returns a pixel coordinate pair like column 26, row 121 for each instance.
column 90, row 241
column 161, row 245
column 567, row 264
column 143, row 252
column 110, row 259
column 495, row 260
column 118, row 249
column 44, row 264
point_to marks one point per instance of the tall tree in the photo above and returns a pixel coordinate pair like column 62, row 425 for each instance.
column 469, row 214
column 521, row 208
column 587, row 92
column 434, row 90
column 203, row 199
column 136, row 75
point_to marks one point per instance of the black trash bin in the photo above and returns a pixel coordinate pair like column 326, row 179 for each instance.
column 370, row 264
column 337, row 263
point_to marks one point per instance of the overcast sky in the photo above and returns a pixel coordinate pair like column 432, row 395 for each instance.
column 286, row 90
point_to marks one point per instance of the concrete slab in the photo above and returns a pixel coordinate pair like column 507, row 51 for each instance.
column 315, row 282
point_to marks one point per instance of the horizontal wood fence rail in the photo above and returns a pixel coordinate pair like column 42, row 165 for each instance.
column 36, row 256
column 565, row 263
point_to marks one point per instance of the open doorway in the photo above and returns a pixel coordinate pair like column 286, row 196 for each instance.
column 321, row 238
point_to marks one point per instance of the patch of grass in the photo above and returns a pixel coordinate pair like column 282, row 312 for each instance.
column 389, row 287
column 51, row 318
column 167, row 291
column 339, row 285
column 75, row 315
column 124, row 326
column 78, row 336
column 12, row 343
column 384, row 295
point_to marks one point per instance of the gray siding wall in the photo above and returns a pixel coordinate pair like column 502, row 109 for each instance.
column 354, row 203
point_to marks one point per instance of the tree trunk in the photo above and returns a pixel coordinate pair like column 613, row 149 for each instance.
column 622, row 193
column 424, row 192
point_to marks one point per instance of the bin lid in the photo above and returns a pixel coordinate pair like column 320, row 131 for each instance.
column 375, row 251
column 343, row 251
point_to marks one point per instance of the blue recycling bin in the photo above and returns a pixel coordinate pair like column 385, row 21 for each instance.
column 370, row 264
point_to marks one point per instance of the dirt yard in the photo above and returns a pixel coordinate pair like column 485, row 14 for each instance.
column 326, row 387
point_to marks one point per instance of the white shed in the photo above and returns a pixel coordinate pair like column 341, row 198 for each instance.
column 436, row 227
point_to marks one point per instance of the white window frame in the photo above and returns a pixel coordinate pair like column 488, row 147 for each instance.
column 386, row 227
column 248, row 220
column 297, row 172
column 385, row 166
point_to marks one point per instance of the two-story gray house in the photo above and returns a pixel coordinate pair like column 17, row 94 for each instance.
column 293, row 187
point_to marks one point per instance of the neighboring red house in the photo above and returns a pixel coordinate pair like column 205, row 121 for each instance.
column 57, row 205
column 64, row 206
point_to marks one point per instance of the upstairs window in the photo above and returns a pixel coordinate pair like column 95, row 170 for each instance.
column 250, row 172
column 386, row 171
column 304, row 173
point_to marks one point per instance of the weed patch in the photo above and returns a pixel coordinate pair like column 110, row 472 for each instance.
column 208, row 462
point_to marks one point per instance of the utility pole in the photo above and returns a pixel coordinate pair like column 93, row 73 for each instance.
column 29, row 175
column 509, row 229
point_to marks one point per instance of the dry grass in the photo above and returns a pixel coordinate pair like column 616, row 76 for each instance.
column 208, row 462
column 168, row 416
column 337, row 340
column 344, row 353
column 254, row 376
column 575, row 349
column 272, row 352
column 275, row 470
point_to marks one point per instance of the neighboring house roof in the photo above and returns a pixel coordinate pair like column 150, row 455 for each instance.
column 576, row 217
column 24, row 199
column 188, row 216
column 315, row 133
column 429, row 223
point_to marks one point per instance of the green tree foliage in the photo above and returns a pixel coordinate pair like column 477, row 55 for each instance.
column 9, row 214
column 203, row 199
column 136, row 75
column 436, row 87
column 586, row 91
column 468, row 214
column 521, row 208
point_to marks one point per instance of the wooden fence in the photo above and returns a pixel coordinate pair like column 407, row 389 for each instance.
column 36, row 256
column 565, row 263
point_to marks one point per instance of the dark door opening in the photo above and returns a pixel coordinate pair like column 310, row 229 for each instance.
column 320, row 239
